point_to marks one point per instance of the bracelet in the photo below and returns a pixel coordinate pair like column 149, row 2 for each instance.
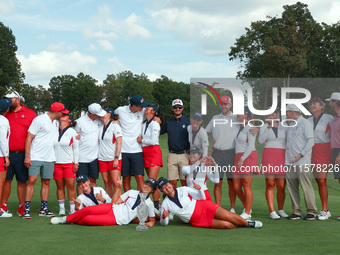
column 116, row 157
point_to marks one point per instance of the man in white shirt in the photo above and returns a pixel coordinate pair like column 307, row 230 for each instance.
column 89, row 127
column 131, row 118
column 300, row 141
column 40, row 155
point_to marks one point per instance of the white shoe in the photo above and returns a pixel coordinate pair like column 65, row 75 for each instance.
column 232, row 210
column 329, row 214
column 171, row 216
column 282, row 214
column 245, row 216
column 322, row 215
column 58, row 220
column 61, row 211
column 72, row 211
column 274, row 216
column 257, row 224
column 4, row 214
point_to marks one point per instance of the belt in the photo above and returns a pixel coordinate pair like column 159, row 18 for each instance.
column 178, row 152
column 224, row 151
column 16, row 151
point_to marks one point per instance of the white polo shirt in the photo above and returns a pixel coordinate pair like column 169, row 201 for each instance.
column 89, row 140
column 201, row 139
column 131, row 124
column 322, row 130
column 297, row 138
column 187, row 198
column 107, row 141
column 5, row 132
column 151, row 134
column 86, row 202
column 45, row 133
column 67, row 147
column 223, row 132
column 245, row 142
column 124, row 213
column 199, row 173
column 268, row 136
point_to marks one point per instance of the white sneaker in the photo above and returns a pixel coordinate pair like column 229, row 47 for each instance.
column 171, row 216
column 58, row 220
column 232, row 210
column 4, row 214
column 257, row 224
column 274, row 216
column 61, row 211
column 282, row 214
column 322, row 215
column 245, row 216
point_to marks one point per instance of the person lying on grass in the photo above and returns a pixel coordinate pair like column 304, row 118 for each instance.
column 191, row 207
column 121, row 211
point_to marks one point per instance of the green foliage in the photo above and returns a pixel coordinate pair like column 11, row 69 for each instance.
column 10, row 69
column 36, row 98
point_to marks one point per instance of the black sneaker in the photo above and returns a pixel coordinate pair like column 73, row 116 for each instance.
column 309, row 217
column 294, row 217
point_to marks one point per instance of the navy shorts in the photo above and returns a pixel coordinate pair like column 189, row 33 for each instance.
column 132, row 164
column 225, row 159
column 335, row 153
column 17, row 167
column 90, row 169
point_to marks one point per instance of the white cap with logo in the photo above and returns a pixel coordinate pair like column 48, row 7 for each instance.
column 334, row 96
column 177, row 102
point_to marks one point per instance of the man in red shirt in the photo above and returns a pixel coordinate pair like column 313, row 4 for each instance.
column 20, row 118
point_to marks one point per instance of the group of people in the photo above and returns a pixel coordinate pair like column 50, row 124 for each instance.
column 124, row 142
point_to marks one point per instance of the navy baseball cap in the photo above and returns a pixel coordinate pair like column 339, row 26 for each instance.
column 153, row 106
column 81, row 178
column 5, row 104
column 111, row 111
column 196, row 115
column 71, row 118
column 152, row 182
column 162, row 181
column 196, row 149
column 138, row 100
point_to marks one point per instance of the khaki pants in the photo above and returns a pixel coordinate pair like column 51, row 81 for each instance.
column 301, row 175
column 175, row 164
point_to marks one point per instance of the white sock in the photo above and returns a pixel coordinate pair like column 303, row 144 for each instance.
column 61, row 204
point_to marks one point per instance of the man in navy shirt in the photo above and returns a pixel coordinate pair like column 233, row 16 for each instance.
column 178, row 142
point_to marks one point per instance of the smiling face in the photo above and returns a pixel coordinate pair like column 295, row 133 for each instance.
column 168, row 189
column 177, row 110
column 195, row 123
column 85, row 186
column 147, row 188
column 316, row 107
column 194, row 157
column 225, row 108
column 149, row 111
column 65, row 119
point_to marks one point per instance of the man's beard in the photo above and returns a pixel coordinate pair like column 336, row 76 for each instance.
column 13, row 107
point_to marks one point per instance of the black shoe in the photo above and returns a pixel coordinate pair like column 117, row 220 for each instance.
column 294, row 217
column 309, row 217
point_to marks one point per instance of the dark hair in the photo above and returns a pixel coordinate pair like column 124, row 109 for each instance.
column 73, row 124
column 338, row 103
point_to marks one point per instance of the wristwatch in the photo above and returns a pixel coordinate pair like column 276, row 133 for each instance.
column 301, row 155
column 116, row 157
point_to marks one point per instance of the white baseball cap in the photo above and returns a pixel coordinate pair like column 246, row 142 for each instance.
column 177, row 102
column 292, row 107
column 13, row 94
column 334, row 96
column 96, row 109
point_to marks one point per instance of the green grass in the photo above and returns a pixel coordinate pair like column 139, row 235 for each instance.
column 38, row 236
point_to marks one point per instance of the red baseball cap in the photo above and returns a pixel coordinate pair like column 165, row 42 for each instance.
column 226, row 100
column 59, row 107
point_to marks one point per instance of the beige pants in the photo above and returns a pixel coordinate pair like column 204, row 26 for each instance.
column 175, row 164
column 301, row 175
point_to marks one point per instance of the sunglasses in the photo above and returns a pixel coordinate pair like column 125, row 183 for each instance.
column 177, row 107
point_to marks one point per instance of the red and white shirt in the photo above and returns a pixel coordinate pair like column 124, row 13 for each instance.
column 271, row 138
column 127, row 211
column 322, row 128
column 86, row 201
column 107, row 141
column 200, row 139
column 245, row 142
column 199, row 173
column 67, row 147
column 150, row 133
column 182, row 205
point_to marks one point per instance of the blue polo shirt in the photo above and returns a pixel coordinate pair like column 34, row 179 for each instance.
column 177, row 133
